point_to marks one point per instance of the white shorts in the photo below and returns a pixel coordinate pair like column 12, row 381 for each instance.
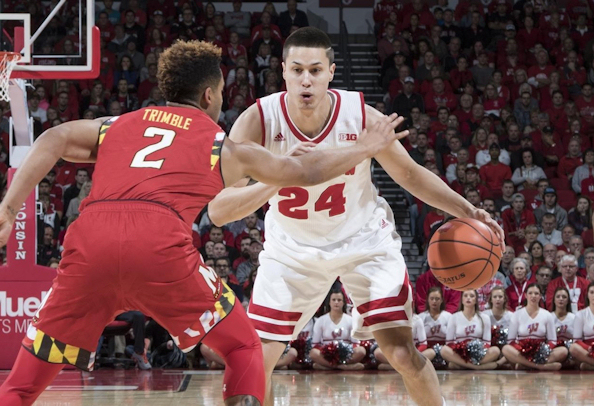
column 294, row 279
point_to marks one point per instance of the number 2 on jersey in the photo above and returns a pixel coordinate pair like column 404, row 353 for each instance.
column 140, row 160
column 331, row 199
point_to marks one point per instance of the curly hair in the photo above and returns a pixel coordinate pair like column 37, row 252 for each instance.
column 186, row 69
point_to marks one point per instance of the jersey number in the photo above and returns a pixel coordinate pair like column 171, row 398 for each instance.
column 331, row 199
column 140, row 160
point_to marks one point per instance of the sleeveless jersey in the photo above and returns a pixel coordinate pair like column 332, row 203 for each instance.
column 584, row 326
column 540, row 327
column 436, row 330
column 334, row 210
column 564, row 328
column 503, row 322
column 461, row 329
column 165, row 155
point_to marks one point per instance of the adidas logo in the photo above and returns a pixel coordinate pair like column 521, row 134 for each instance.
column 279, row 137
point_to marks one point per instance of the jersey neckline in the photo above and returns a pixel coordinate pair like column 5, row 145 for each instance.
column 329, row 126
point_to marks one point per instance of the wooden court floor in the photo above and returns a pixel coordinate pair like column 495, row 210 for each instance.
column 181, row 388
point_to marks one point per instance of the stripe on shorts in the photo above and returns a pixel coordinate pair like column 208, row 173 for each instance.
column 398, row 315
column 273, row 313
column 399, row 300
column 272, row 328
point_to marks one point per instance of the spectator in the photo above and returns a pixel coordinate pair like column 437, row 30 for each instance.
column 516, row 220
column 64, row 109
column 233, row 113
column 576, row 247
column 551, row 206
column 126, row 72
column 549, row 234
column 334, row 326
column 505, row 265
column 241, row 63
column 38, row 114
column 584, row 333
column 583, row 177
column 438, row 97
column 137, row 319
column 468, row 324
column 543, row 278
column 435, row 318
column 551, row 149
column 576, row 285
column 504, row 202
column 484, row 292
column 407, row 100
column 133, row 29
column 497, row 312
column 291, row 18
column 223, row 270
column 238, row 21
column 483, row 156
column 519, row 280
column 144, row 90
column 47, row 250
column 384, row 45
column 563, row 317
column 580, row 216
column 494, row 173
column 522, row 333
column 127, row 101
column 424, row 283
column 82, row 176
column 118, row 43
column 539, row 74
column 570, row 162
column 188, row 28
column 530, row 236
column 114, row 15
column 276, row 47
column 528, row 175
column 523, row 107
column 156, row 39
column 244, row 248
column 96, row 100
column 235, row 49
column 243, row 271
column 76, row 201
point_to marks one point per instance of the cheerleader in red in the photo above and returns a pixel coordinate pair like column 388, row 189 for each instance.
column 583, row 333
column 468, row 337
column 532, row 336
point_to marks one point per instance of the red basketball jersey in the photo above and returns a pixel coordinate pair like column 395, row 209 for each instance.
column 167, row 155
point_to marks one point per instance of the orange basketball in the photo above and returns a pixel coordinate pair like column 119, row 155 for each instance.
column 464, row 254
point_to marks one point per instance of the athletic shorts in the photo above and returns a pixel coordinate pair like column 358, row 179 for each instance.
column 121, row 256
column 293, row 280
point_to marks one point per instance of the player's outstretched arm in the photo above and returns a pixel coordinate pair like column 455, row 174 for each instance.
column 425, row 185
column 309, row 169
column 75, row 141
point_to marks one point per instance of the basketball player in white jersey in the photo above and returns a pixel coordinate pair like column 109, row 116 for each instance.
column 340, row 228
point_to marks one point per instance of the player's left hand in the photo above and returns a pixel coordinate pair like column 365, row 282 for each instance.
column 482, row 215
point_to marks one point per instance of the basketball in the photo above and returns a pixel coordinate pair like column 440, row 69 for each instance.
column 464, row 254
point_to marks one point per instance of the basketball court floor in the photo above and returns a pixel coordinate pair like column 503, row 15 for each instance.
column 373, row 388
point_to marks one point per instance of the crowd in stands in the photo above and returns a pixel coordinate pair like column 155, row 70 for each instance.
column 498, row 100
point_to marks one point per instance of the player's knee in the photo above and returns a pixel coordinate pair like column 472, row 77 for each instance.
column 405, row 359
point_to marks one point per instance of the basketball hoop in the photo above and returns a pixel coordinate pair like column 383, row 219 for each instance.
column 7, row 61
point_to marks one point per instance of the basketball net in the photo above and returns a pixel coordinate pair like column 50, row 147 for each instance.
column 8, row 60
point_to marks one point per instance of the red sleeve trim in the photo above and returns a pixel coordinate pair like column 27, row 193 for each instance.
column 263, row 127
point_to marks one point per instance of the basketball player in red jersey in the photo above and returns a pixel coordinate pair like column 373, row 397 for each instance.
column 131, row 248
column 340, row 228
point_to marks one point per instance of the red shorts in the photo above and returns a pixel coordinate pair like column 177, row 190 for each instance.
column 122, row 256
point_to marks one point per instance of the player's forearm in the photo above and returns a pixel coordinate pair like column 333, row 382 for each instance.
column 321, row 166
column 41, row 158
column 235, row 203
column 428, row 187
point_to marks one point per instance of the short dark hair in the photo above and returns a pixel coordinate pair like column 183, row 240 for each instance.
column 44, row 181
column 82, row 170
column 187, row 69
column 309, row 37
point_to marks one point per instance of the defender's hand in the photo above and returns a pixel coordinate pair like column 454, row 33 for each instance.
column 381, row 134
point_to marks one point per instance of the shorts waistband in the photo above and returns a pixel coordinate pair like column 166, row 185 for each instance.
column 130, row 205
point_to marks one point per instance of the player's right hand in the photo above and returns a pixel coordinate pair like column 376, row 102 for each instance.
column 6, row 223
column 382, row 134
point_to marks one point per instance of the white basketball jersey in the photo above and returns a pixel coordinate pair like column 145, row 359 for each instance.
column 332, row 211
column 564, row 328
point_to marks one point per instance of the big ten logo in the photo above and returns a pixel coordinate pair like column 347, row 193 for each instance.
column 347, row 137
column 13, row 308
column 532, row 328
column 435, row 329
column 469, row 330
